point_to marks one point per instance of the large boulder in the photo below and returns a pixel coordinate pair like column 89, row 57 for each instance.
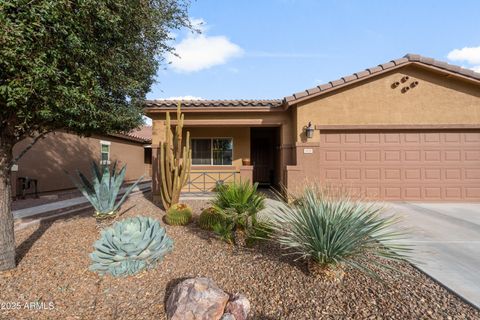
column 238, row 307
column 196, row 299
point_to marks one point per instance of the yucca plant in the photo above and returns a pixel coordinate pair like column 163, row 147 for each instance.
column 103, row 190
column 130, row 246
column 239, row 203
column 332, row 232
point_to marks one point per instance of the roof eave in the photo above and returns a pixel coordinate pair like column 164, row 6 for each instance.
column 152, row 110
column 291, row 100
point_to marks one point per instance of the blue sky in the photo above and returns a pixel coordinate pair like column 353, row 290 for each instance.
column 271, row 48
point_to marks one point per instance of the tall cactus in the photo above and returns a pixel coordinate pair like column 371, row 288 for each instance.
column 175, row 161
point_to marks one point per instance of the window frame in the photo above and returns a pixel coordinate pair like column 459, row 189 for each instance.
column 211, row 151
column 105, row 143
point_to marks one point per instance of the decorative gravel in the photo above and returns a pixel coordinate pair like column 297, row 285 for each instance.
column 52, row 280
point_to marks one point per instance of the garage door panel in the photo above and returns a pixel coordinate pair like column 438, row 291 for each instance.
column 404, row 165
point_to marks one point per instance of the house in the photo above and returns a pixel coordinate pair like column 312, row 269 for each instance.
column 408, row 129
column 58, row 152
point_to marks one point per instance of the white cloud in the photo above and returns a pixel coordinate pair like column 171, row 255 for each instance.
column 476, row 69
column 468, row 54
column 199, row 24
column 184, row 98
column 199, row 51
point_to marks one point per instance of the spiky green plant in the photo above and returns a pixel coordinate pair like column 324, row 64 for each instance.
column 103, row 190
column 332, row 232
column 130, row 246
column 178, row 214
column 209, row 217
column 239, row 203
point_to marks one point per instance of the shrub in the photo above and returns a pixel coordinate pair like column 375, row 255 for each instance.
column 239, row 204
column 334, row 232
column 130, row 246
column 103, row 190
column 178, row 214
column 209, row 217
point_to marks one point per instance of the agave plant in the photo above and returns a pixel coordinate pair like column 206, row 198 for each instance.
column 103, row 190
column 130, row 246
column 334, row 232
column 239, row 203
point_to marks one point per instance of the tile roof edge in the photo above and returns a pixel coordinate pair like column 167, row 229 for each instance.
column 379, row 69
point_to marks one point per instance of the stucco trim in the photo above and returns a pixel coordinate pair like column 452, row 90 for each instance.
column 395, row 126
column 229, row 122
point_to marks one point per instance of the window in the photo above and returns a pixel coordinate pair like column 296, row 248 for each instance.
column 104, row 152
column 215, row 151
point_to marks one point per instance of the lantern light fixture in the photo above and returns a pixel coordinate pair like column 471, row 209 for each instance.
column 309, row 130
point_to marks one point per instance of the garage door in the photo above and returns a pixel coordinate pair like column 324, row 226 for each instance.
column 404, row 164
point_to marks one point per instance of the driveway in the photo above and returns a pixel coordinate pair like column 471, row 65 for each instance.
column 447, row 242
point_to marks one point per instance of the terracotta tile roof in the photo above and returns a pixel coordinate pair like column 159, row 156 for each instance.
column 143, row 134
column 381, row 68
column 273, row 103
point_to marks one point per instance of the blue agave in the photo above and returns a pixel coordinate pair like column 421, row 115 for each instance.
column 103, row 190
column 130, row 246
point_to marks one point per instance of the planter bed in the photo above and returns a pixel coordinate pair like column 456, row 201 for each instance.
column 53, row 272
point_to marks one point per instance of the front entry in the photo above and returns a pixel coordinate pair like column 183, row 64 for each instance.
column 264, row 155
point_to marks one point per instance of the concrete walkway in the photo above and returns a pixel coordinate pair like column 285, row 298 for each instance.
column 446, row 239
column 32, row 215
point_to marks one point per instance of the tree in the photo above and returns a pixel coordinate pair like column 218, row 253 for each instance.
column 82, row 66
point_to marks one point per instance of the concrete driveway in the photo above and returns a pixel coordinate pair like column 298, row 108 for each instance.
column 447, row 242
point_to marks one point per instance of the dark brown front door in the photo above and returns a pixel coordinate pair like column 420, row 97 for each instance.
column 263, row 146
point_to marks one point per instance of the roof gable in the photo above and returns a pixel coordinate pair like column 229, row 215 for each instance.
column 378, row 70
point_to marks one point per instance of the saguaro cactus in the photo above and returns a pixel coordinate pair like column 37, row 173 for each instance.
column 175, row 161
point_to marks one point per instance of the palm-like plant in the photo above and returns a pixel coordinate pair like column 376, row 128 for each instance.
column 103, row 190
column 333, row 232
column 239, row 203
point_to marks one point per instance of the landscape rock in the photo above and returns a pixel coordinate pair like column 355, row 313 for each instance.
column 227, row 316
column 238, row 306
column 196, row 299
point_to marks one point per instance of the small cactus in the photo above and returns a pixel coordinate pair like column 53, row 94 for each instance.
column 178, row 215
column 209, row 217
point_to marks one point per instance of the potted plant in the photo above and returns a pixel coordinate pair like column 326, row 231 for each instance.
column 246, row 162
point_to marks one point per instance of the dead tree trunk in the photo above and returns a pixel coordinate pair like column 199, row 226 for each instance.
column 7, row 238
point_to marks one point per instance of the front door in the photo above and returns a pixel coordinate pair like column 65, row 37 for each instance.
column 263, row 146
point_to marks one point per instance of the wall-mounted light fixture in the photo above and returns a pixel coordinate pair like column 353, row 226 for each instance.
column 309, row 130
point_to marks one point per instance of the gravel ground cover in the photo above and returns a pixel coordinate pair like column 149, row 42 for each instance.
column 52, row 280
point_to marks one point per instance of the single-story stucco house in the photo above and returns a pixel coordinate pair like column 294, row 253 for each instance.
column 47, row 161
column 408, row 129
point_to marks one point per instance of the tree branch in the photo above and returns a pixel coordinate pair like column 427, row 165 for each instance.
column 35, row 140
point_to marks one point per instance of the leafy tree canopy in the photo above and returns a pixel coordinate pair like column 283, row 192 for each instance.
column 80, row 65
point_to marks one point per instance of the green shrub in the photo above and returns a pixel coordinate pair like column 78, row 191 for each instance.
column 103, row 190
column 209, row 217
column 130, row 246
column 239, row 204
column 178, row 214
column 334, row 232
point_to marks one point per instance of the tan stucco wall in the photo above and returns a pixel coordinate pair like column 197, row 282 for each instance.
column 248, row 119
column 51, row 156
column 437, row 99
column 240, row 136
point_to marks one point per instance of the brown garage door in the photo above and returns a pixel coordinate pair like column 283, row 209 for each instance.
column 404, row 164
